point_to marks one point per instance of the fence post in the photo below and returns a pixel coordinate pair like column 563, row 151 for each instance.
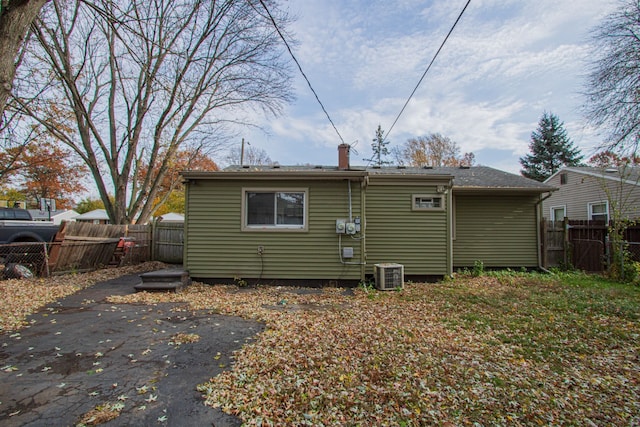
column 607, row 252
column 565, row 239
column 544, row 237
column 46, row 259
column 152, row 240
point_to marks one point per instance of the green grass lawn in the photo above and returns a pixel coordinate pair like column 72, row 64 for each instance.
column 499, row 349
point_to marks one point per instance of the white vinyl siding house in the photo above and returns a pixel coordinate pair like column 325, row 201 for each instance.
column 589, row 193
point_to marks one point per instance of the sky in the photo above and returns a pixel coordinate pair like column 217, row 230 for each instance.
column 505, row 64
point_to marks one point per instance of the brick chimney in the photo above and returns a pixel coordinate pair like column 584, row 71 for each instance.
column 343, row 156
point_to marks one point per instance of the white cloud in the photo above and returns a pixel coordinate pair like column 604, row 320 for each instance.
column 506, row 63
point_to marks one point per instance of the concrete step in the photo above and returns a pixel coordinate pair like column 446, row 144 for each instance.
column 158, row 286
column 166, row 274
column 168, row 279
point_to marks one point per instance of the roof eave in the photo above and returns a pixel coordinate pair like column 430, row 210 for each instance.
column 274, row 175
column 501, row 190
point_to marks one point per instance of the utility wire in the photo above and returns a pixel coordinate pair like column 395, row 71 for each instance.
column 273, row 21
column 427, row 70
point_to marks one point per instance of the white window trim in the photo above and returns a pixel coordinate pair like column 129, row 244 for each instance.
column 277, row 228
column 442, row 197
column 552, row 208
column 590, row 206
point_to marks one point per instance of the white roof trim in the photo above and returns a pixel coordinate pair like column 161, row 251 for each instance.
column 594, row 174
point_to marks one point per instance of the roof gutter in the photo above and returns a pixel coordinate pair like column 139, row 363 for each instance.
column 501, row 190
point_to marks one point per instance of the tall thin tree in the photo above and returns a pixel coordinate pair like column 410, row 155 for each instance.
column 380, row 149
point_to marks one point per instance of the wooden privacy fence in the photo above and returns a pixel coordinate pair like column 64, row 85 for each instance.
column 84, row 246
column 168, row 242
column 81, row 246
column 579, row 244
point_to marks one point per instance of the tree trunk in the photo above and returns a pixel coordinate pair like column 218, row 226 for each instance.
column 15, row 18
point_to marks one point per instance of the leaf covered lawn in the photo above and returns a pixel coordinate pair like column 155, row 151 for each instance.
column 502, row 349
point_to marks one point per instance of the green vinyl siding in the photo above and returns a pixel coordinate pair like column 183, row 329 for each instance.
column 397, row 233
column 500, row 231
column 218, row 248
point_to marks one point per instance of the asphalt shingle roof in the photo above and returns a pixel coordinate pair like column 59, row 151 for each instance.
column 475, row 177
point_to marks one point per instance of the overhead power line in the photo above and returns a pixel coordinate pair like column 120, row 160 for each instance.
column 428, row 68
column 273, row 21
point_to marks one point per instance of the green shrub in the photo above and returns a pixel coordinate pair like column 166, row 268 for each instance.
column 478, row 268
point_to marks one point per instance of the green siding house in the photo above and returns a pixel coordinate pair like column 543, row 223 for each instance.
column 329, row 226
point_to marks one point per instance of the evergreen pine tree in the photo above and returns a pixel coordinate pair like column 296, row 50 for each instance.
column 380, row 149
column 551, row 149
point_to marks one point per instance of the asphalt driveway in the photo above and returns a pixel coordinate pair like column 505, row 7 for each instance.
column 83, row 353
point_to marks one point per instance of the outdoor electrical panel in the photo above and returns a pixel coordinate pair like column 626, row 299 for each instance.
column 347, row 252
column 357, row 221
column 341, row 226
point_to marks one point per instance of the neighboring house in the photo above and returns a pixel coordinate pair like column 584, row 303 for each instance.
column 54, row 216
column 590, row 193
column 98, row 216
column 328, row 225
column 171, row 217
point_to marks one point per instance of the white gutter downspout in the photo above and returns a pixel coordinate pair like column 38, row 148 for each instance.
column 450, row 214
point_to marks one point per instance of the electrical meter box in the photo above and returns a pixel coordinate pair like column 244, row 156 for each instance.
column 351, row 228
column 341, row 226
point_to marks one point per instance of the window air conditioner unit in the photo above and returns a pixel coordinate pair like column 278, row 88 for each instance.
column 388, row 276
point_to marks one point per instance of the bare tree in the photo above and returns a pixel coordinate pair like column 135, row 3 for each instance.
column 613, row 103
column 15, row 18
column 251, row 156
column 140, row 80
column 432, row 150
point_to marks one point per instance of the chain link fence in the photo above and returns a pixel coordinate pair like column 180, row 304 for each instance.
column 24, row 260
column 633, row 251
column 625, row 264
column 37, row 259
column 79, row 247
